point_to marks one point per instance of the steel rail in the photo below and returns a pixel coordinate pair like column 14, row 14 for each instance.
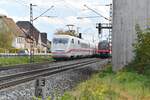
column 31, row 75
column 23, row 65
column 6, row 77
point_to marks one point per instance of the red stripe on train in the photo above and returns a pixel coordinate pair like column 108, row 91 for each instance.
column 77, row 50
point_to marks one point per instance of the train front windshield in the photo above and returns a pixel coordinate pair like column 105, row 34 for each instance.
column 60, row 41
column 60, row 44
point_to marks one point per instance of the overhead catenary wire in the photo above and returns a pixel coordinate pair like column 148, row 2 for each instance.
column 67, row 5
column 88, row 17
column 22, row 3
column 43, row 13
column 25, row 4
column 97, row 13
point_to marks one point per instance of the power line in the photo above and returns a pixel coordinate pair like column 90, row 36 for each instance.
column 97, row 13
column 43, row 13
column 23, row 4
column 87, row 17
column 66, row 5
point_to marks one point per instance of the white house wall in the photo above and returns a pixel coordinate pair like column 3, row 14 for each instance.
column 19, row 43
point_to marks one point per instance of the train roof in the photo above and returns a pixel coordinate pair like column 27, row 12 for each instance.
column 68, row 36
column 64, row 36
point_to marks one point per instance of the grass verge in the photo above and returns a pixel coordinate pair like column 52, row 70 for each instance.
column 5, row 61
column 107, row 85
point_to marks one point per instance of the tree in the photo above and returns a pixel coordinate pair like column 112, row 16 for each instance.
column 8, row 32
column 142, row 47
column 6, row 40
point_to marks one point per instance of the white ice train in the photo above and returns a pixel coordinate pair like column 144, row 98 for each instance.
column 65, row 46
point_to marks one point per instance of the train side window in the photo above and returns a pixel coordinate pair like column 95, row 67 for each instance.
column 78, row 42
column 72, row 41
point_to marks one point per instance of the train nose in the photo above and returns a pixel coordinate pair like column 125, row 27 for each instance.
column 59, row 54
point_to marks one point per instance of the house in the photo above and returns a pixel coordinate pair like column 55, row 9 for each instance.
column 39, row 40
column 42, row 43
column 32, row 33
column 48, row 46
column 21, row 35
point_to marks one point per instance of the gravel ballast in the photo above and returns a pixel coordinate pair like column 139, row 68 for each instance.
column 55, row 84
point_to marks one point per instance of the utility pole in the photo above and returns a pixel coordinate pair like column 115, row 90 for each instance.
column 30, row 30
column 33, row 41
column 40, row 88
column 31, row 13
column 110, row 30
column 31, row 33
column 31, row 18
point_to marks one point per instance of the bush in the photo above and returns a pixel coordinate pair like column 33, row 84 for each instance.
column 106, row 72
column 2, row 50
column 127, row 77
column 13, row 50
column 142, row 49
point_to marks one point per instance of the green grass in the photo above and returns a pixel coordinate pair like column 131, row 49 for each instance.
column 5, row 61
column 106, row 85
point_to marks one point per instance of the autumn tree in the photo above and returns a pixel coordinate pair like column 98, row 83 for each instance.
column 8, row 32
column 5, row 40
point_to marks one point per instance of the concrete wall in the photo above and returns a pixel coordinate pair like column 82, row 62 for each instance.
column 126, row 14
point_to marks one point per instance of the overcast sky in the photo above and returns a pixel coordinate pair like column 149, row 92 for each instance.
column 66, row 12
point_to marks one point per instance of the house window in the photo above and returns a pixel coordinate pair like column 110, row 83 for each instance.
column 20, row 40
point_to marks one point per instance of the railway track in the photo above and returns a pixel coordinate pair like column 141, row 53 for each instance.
column 30, row 65
column 22, row 77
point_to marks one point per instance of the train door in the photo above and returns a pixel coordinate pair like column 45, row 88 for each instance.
column 72, row 48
